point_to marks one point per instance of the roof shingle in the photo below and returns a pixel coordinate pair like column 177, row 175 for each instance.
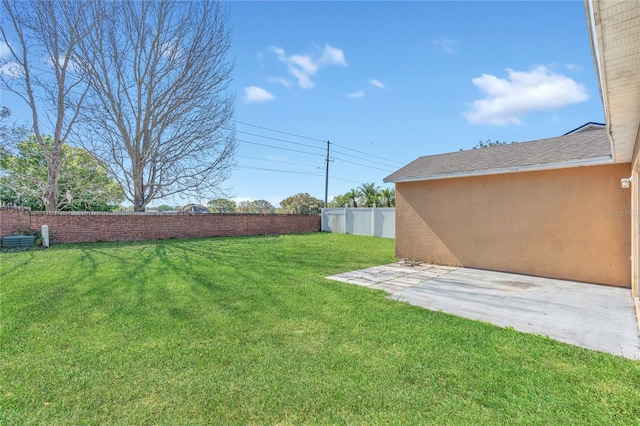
column 583, row 148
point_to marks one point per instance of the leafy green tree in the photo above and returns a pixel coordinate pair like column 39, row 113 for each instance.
column 222, row 205
column 256, row 206
column 302, row 203
column 388, row 197
column 369, row 194
column 83, row 183
column 4, row 125
column 9, row 131
column 339, row 201
column 489, row 143
column 165, row 208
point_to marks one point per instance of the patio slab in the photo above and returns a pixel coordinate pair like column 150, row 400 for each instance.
column 591, row 316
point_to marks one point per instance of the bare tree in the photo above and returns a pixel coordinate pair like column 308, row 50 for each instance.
column 40, row 71
column 158, row 114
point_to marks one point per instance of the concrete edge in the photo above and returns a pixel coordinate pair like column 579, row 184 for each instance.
column 636, row 302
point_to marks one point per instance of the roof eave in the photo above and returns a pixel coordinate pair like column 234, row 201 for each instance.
column 596, row 52
column 614, row 33
column 596, row 161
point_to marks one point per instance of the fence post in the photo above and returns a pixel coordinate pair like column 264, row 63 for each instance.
column 373, row 220
column 322, row 213
column 344, row 222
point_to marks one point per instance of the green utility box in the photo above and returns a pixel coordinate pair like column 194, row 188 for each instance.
column 18, row 241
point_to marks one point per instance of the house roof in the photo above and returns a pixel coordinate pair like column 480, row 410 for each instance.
column 571, row 150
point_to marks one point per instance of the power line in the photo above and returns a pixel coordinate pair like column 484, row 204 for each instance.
column 363, row 165
column 293, row 172
column 277, row 147
column 345, row 180
column 279, row 131
column 364, row 159
column 320, row 140
column 370, row 155
column 277, row 161
column 280, row 140
column 280, row 171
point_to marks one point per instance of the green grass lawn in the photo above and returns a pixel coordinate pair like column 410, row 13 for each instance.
column 248, row 331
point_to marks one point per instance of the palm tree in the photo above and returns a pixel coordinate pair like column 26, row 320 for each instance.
column 370, row 194
column 352, row 195
column 388, row 197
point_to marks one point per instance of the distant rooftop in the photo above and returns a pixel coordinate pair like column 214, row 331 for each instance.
column 586, row 147
column 587, row 127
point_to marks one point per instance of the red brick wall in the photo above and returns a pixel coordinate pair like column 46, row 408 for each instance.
column 80, row 227
column 11, row 220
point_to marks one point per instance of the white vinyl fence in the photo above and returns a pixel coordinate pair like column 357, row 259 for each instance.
column 376, row 221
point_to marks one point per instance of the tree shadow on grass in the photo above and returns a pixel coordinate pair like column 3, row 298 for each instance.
column 239, row 277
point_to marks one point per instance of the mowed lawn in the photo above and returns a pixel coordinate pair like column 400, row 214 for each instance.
column 248, row 331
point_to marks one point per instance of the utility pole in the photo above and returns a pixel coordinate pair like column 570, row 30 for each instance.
column 326, row 180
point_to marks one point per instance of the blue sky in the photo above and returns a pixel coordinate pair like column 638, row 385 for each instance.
column 387, row 82
column 399, row 80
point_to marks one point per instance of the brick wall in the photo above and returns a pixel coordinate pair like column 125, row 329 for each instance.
column 80, row 227
column 11, row 220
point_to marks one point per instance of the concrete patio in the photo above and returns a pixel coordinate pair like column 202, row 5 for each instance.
column 591, row 316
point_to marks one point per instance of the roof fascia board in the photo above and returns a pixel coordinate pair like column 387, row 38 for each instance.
column 595, row 46
column 597, row 52
column 597, row 161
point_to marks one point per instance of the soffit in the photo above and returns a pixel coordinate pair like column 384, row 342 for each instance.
column 615, row 37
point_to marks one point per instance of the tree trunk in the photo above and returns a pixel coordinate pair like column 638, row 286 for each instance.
column 139, row 204
column 52, row 191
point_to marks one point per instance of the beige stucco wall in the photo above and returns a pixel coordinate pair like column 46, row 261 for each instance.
column 569, row 223
column 635, row 222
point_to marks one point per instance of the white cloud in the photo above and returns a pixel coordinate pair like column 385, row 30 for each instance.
column 357, row 94
column 277, row 158
column 8, row 68
column 256, row 95
column 376, row 83
column 303, row 67
column 71, row 65
column 279, row 80
column 172, row 50
column 11, row 70
column 332, row 56
column 522, row 92
column 447, row 45
column 4, row 49
column 574, row 67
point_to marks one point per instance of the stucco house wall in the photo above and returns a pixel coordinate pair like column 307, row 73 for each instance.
column 571, row 223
